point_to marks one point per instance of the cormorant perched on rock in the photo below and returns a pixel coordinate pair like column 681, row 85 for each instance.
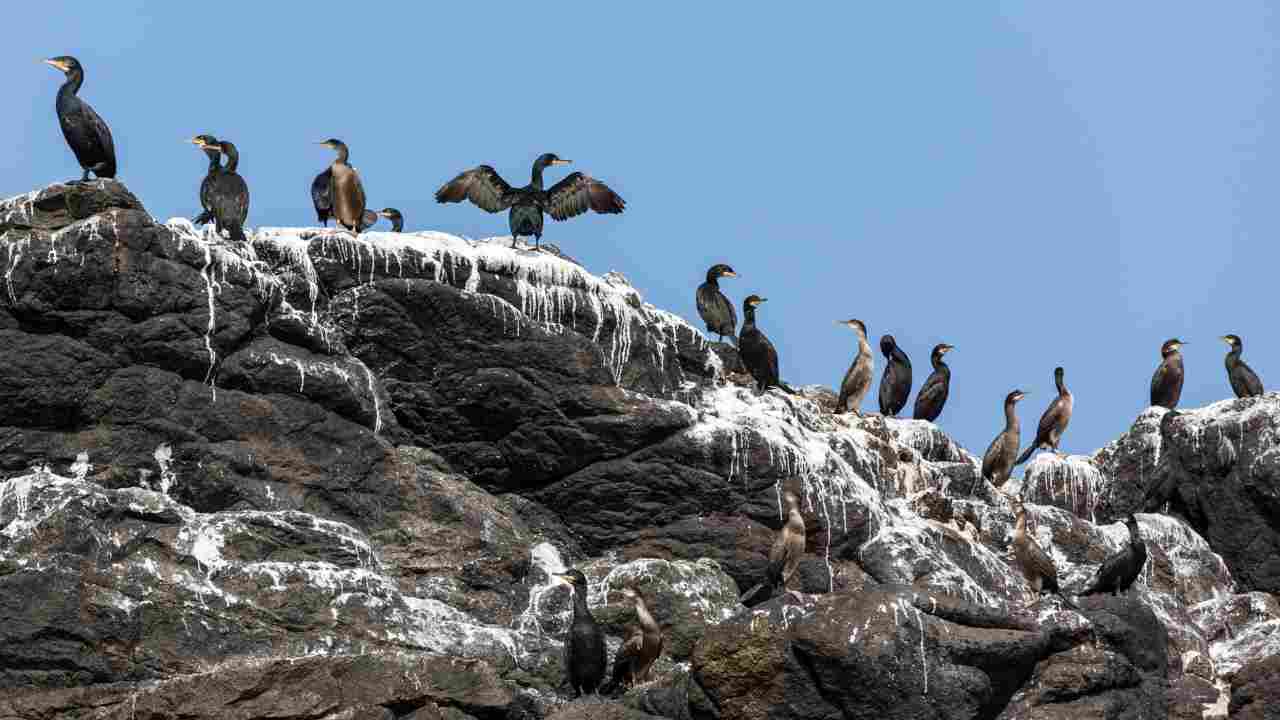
column 784, row 556
column 857, row 379
column 1118, row 572
column 713, row 307
column 392, row 214
column 228, row 192
column 997, row 463
column 895, row 383
column 933, row 394
column 1037, row 566
column 1054, row 420
column 1244, row 381
column 572, row 196
column 635, row 658
column 209, row 145
column 756, row 351
column 86, row 133
column 1166, row 383
column 585, row 653
column 320, row 196
column 346, row 192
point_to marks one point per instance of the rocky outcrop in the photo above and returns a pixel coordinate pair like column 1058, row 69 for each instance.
column 323, row 476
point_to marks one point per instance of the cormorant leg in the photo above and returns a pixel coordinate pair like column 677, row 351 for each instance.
column 85, row 179
column 513, row 241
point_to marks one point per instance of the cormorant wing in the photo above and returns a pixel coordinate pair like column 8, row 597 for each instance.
column 483, row 186
column 321, row 196
column 989, row 457
column 1248, row 380
column 713, row 304
column 568, row 649
column 932, row 389
column 578, row 193
column 1111, row 570
column 1158, row 380
column 103, row 133
column 1049, row 420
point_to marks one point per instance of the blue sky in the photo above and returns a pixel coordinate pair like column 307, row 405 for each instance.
column 1037, row 184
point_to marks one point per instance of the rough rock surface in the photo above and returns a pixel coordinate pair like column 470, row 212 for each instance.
column 319, row 476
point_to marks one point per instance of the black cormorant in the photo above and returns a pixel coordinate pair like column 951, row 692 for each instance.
column 572, row 196
column 228, row 193
column 392, row 214
column 713, row 307
column 1054, row 420
column 346, row 192
column 320, row 196
column 634, row 659
column 895, row 383
column 1117, row 573
column 1166, row 383
column 933, row 394
column 857, row 379
column 585, row 654
column 86, row 133
column 997, row 463
column 208, row 144
column 1244, row 381
column 757, row 353
column 784, row 556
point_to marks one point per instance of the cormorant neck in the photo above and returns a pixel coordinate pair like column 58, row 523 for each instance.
column 343, row 155
column 642, row 614
column 75, row 79
column 580, row 603
column 712, row 279
column 1062, row 385
column 233, row 156
column 536, row 181
column 397, row 224
column 938, row 364
column 1236, row 352
column 748, row 316
column 215, row 159
column 1010, row 415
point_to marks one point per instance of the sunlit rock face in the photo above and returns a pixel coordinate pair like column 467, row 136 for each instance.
column 319, row 475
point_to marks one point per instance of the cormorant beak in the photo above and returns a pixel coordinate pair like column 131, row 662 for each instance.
column 729, row 273
column 559, row 161
column 55, row 64
column 563, row 578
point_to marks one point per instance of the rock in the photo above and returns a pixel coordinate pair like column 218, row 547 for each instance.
column 1255, row 688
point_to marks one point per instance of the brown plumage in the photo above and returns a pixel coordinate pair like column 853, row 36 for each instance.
column 1037, row 566
column 634, row 660
column 857, row 380
column 788, row 547
column 1054, row 420
column 997, row 463
column 346, row 191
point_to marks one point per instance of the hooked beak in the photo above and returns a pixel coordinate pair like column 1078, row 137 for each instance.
column 559, row 161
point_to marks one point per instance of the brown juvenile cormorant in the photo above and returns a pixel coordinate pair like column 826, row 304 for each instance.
column 1054, row 420
column 857, row 379
column 209, row 145
column 392, row 214
column 1166, row 383
column 572, row 196
column 784, row 556
column 757, row 353
column 1117, row 573
column 713, row 307
column 1037, row 566
column 895, row 383
column 320, row 196
column 585, row 654
column 997, row 463
column 346, row 192
column 933, row 394
column 228, row 193
column 86, row 133
column 1244, row 381
column 634, row 659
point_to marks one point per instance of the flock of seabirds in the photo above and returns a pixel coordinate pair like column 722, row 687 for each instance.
column 337, row 192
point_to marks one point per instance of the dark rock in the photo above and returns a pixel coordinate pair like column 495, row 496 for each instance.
column 1255, row 690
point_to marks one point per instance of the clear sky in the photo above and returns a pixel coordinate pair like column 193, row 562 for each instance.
column 1035, row 183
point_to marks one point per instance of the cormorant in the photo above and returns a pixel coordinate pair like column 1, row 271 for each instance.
column 1166, row 383
column 86, row 133
column 895, row 383
column 713, row 307
column 756, row 351
column 1054, row 420
column 392, row 214
column 346, row 192
column 1118, row 572
column 228, row 192
column 585, row 653
column 933, row 394
column 784, row 556
column 997, row 463
column 1037, row 566
column 634, row 659
column 857, row 379
column 572, row 196
column 209, row 145
column 320, row 196
column 1244, row 381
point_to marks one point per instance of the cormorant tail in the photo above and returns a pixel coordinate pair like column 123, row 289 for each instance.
column 237, row 233
column 1026, row 454
column 203, row 218
column 786, row 388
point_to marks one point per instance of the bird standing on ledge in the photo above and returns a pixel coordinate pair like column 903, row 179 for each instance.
column 346, row 192
column 756, row 352
column 1244, row 381
column 895, row 383
column 585, row 653
column 713, row 307
column 634, row 660
column 1054, row 420
column 857, row 379
column 1166, row 383
column 86, row 133
column 933, row 394
column 209, row 145
column 997, row 463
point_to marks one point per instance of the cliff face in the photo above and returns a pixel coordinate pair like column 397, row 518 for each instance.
column 321, row 476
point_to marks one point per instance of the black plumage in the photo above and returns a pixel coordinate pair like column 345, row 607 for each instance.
column 755, row 350
column 895, row 383
column 933, row 394
column 1118, row 572
column 585, row 653
column 228, row 192
column 1054, row 420
column 86, row 133
column 392, row 214
column 713, row 307
column 1244, row 381
column 320, row 196
column 1166, row 382
column 572, row 196
column 208, row 144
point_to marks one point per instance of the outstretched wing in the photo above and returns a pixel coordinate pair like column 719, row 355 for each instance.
column 482, row 185
column 578, row 193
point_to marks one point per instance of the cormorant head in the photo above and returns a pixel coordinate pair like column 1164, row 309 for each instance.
column 854, row 324
column 391, row 214
column 1059, row 373
column 1233, row 340
column 942, row 349
column 547, row 159
column 205, row 142
column 753, row 300
column 887, row 344
column 65, row 63
column 721, row 270
column 1014, row 396
column 333, row 144
column 1171, row 346
column 574, row 577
